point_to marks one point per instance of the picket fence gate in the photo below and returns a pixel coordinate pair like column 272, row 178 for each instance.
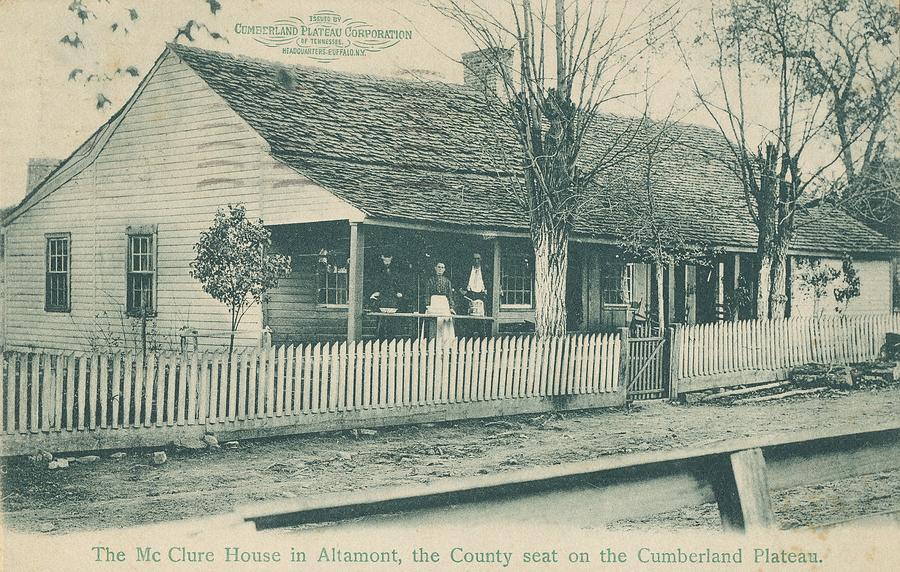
column 724, row 354
column 44, row 393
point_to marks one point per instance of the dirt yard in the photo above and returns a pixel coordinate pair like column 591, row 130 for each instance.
column 129, row 491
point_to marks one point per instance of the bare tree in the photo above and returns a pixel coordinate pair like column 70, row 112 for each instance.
column 648, row 231
column 571, row 57
column 756, row 40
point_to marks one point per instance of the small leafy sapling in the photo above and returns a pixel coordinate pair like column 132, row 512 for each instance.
column 234, row 264
column 850, row 286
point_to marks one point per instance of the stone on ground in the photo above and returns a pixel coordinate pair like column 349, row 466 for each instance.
column 88, row 459
column 118, row 455
column 232, row 445
column 159, row 457
column 211, row 441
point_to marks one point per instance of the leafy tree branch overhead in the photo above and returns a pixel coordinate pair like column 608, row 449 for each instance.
column 98, row 21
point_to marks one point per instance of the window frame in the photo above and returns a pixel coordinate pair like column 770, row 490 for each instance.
column 624, row 274
column 48, row 238
column 323, row 264
column 503, row 276
column 131, row 232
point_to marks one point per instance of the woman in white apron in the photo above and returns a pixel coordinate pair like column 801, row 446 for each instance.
column 439, row 294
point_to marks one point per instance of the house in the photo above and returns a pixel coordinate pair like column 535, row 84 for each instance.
column 340, row 167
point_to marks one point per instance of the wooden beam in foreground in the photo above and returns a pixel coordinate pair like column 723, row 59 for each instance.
column 737, row 474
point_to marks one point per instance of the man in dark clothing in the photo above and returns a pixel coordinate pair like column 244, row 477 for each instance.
column 387, row 284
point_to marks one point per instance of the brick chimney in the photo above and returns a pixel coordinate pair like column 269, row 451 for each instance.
column 481, row 69
column 38, row 169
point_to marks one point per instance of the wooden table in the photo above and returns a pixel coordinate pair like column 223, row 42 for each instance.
column 419, row 316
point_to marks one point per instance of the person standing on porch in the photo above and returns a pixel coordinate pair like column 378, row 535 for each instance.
column 476, row 296
column 387, row 284
column 475, row 289
column 439, row 295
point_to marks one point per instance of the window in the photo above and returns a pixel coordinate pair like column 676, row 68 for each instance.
column 331, row 278
column 517, row 281
column 616, row 282
column 58, row 282
column 141, row 294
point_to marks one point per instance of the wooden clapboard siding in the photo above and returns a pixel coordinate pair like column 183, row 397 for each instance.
column 874, row 289
column 176, row 155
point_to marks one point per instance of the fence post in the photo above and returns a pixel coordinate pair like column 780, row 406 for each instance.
column 741, row 488
column 674, row 357
column 624, row 366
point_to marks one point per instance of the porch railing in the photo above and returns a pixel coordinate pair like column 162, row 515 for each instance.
column 103, row 397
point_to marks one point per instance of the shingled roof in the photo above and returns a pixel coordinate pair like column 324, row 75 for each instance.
column 437, row 153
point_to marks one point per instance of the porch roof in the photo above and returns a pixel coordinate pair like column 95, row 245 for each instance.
column 434, row 152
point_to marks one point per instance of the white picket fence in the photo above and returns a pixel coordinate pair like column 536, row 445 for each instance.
column 754, row 351
column 305, row 386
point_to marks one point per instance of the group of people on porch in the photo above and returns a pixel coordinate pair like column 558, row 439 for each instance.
column 391, row 289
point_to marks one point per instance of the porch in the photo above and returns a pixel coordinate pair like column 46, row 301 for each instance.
column 333, row 292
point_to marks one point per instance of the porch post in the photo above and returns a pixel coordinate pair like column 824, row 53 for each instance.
column 690, row 293
column 355, row 282
column 670, row 307
column 495, row 289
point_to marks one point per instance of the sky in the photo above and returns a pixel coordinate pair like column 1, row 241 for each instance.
column 44, row 114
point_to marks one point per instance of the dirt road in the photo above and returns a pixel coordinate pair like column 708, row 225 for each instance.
column 129, row 491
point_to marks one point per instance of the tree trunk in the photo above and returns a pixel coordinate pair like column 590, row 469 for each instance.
column 551, row 261
column 764, row 285
column 778, row 292
column 660, row 296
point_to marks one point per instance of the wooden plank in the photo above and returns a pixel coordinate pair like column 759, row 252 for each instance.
column 246, row 371
column 214, row 388
column 272, row 408
column 742, row 492
column 488, row 369
column 159, row 378
column 290, row 379
column 306, row 380
column 5, row 369
column 13, row 365
column 355, row 376
column 409, row 366
column 59, row 382
column 315, row 378
column 82, row 391
column 431, row 374
column 390, row 380
column 281, row 386
column 45, row 379
column 116, row 401
column 104, row 381
column 170, row 388
column 203, row 388
column 34, row 382
column 137, row 396
column 451, row 357
column 181, row 395
column 479, row 363
column 193, row 381
column 271, row 366
column 415, row 370
column 382, row 357
column 234, row 375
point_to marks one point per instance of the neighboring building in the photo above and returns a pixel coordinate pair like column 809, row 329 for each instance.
column 340, row 166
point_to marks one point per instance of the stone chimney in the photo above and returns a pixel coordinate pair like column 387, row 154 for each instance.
column 481, row 69
column 38, row 169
